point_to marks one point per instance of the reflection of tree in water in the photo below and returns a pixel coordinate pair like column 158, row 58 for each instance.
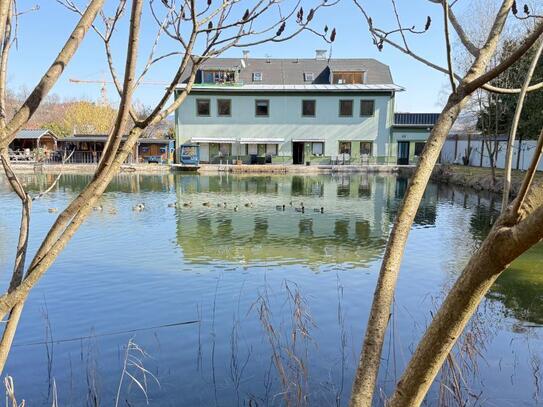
column 482, row 219
column 520, row 289
column 427, row 212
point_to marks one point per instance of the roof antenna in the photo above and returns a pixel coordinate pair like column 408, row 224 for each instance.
column 330, row 53
column 268, row 58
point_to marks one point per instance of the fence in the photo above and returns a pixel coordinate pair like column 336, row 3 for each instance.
column 473, row 152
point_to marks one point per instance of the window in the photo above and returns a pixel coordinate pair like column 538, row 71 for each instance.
column 224, row 107
column 271, row 149
column 309, row 76
column 225, row 149
column 203, row 107
column 345, row 108
column 366, row 148
column 345, row 147
column 257, row 76
column 262, row 107
column 308, row 108
column 218, row 76
column 317, row 148
column 419, row 146
column 162, row 150
column 367, row 107
column 347, row 77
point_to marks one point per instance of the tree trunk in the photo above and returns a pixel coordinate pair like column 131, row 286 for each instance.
column 504, row 243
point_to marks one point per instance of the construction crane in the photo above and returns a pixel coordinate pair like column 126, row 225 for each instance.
column 103, row 90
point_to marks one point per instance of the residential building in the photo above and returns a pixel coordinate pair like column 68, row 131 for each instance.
column 296, row 111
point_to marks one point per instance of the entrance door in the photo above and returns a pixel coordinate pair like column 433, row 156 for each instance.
column 297, row 153
column 403, row 152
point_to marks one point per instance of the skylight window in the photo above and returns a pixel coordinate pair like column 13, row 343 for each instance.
column 309, row 76
column 257, row 76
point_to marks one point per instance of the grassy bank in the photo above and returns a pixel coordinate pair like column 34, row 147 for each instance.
column 479, row 178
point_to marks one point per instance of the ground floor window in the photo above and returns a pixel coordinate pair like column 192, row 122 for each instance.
column 345, row 147
column 419, row 146
column 271, row 149
column 225, row 149
column 366, row 148
column 317, row 148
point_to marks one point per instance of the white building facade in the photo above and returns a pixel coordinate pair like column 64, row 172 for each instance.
column 291, row 112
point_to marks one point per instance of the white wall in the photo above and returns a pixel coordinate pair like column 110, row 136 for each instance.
column 526, row 153
column 285, row 120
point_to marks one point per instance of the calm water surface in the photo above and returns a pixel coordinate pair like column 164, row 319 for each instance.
column 221, row 300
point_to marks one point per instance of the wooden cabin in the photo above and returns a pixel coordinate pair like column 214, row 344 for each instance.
column 33, row 145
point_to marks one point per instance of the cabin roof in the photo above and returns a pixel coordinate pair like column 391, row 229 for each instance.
column 34, row 134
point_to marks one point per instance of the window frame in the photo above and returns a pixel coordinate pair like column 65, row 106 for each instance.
column 372, row 101
column 314, row 101
column 198, row 100
column 415, row 148
column 313, row 148
column 257, row 75
column 229, row 107
column 341, row 101
column 267, row 105
column 309, row 76
column 346, row 142
column 371, row 148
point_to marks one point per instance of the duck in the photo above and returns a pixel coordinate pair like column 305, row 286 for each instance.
column 98, row 208
column 52, row 210
column 319, row 210
column 113, row 211
column 280, row 207
column 221, row 205
column 301, row 208
column 249, row 205
column 139, row 207
column 187, row 204
column 206, row 204
column 235, row 208
column 172, row 205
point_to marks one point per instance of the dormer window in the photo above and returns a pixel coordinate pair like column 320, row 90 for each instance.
column 347, row 77
column 219, row 76
column 309, row 76
column 257, row 76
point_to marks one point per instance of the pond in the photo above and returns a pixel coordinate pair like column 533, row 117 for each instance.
column 229, row 299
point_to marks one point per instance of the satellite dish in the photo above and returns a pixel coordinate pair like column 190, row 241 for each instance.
column 243, row 65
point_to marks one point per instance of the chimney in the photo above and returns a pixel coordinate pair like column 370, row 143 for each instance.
column 246, row 54
column 320, row 54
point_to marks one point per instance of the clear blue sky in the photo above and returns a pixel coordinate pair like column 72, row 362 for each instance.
column 42, row 33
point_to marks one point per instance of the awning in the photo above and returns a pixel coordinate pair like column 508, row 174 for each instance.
column 261, row 141
column 308, row 140
column 213, row 140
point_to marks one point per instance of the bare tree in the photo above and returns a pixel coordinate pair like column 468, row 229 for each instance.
column 199, row 30
column 513, row 233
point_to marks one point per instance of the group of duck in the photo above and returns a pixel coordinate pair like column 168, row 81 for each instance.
column 140, row 207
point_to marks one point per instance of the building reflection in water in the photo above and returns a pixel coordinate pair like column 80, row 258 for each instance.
column 358, row 211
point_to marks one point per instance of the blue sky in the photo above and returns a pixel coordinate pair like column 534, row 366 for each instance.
column 42, row 33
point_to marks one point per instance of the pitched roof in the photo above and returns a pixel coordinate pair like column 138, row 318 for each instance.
column 415, row 119
column 34, row 134
column 295, row 88
column 282, row 71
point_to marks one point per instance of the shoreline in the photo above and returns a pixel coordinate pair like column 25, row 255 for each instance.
column 22, row 168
